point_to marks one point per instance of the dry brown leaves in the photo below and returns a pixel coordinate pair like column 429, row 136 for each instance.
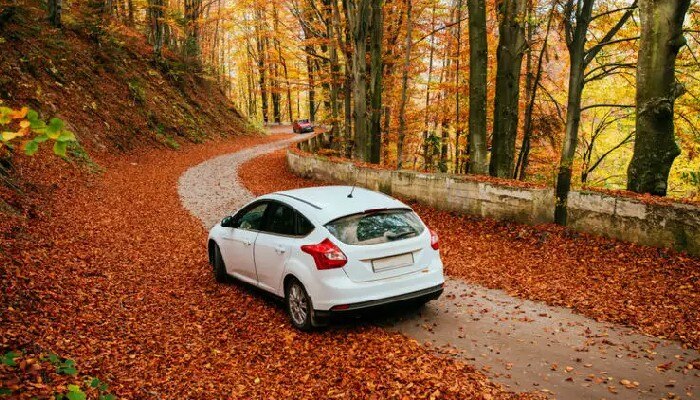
column 112, row 272
column 655, row 290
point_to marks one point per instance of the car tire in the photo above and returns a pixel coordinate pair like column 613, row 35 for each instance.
column 218, row 265
column 299, row 306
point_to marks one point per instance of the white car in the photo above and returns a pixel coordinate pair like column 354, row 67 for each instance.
column 326, row 250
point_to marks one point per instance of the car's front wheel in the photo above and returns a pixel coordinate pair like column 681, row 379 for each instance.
column 299, row 306
column 218, row 264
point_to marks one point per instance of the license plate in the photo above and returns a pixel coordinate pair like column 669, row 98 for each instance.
column 387, row 263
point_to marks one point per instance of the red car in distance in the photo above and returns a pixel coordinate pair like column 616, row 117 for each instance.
column 302, row 126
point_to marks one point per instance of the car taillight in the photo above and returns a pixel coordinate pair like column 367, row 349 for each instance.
column 326, row 254
column 434, row 242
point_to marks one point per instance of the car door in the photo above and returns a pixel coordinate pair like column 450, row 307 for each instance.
column 280, row 235
column 237, row 250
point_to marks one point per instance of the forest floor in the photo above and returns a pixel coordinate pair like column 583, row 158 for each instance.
column 539, row 346
column 111, row 273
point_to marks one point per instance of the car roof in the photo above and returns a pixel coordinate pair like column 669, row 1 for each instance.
column 326, row 203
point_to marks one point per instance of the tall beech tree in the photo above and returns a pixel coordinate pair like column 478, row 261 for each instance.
column 260, row 39
column 509, row 55
column 577, row 15
column 358, row 15
column 478, row 66
column 376, row 88
column 404, row 85
column 655, row 146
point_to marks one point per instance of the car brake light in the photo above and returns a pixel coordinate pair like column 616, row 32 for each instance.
column 434, row 242
column 326, row 254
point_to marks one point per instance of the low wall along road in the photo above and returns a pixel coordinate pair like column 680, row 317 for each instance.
column 674, row 225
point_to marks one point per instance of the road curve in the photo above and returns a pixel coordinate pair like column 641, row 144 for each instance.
column 521, row 344
column 211, row 190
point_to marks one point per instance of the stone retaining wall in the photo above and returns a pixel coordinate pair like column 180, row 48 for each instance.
column 674, row 225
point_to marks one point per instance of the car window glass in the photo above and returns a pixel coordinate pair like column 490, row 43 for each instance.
column 251, row 219
column 376, row 227
column 281, row 220
column 304, row 226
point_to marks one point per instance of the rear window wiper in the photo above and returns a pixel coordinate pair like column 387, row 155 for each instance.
column 399, row 235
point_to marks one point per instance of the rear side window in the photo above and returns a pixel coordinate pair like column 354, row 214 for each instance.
column 281, row 220
column 304, row 226
column 376, row 227
column 284, row 220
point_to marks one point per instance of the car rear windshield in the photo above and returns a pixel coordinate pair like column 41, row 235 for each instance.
column 375, row 227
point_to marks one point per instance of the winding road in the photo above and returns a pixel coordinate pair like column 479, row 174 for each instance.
column 524, row 345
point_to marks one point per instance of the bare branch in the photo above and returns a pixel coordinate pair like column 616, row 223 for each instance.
column 607, row 105
column 560, row 114
column 612, row 12
column 607, row 39
column 438, row 29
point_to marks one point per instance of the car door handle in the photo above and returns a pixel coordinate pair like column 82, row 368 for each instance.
column 247, row 242
column 280, row 249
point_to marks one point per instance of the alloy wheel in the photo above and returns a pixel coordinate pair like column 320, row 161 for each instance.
column 298, row 306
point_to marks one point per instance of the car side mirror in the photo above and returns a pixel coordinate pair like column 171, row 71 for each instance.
column 228, row 221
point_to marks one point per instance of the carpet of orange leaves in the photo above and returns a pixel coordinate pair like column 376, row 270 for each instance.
column 110, row 271
column 655, row 290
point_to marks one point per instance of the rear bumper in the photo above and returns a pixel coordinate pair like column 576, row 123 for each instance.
column 423, row 295
column 332, row 288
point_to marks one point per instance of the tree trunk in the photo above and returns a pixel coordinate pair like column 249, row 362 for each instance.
column 260, row 40
column 655, row 147
column 404, row 86
column 458, row 120
column 275, row 93
column 376, row 85
column 478, row 64
column 385, row 130
column 192, row 48
column 130, row 18
column 334, row 65
column 573, row 119
column 577, row 66
column 445, row 78
column 511, row 46
column 156, row 11
column 312, row 87
column 579, row 58
column 275, row 79
column 524, row 155
column 427, row 156
column 358, row 15
column 55, row 10
column 347, row 84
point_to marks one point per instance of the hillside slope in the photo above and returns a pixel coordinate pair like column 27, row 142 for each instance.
column 103, row 81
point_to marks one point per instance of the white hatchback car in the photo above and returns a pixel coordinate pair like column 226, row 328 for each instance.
column 326, row 250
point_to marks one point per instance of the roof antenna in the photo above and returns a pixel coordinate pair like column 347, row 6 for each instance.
column 352, row 190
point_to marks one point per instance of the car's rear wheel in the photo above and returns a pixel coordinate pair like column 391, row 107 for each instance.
column 218, row 265
column 299, row 306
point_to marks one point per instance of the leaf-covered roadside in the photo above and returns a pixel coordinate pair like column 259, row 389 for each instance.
column 111, row 272
column 655, row 290
column 50, row 376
